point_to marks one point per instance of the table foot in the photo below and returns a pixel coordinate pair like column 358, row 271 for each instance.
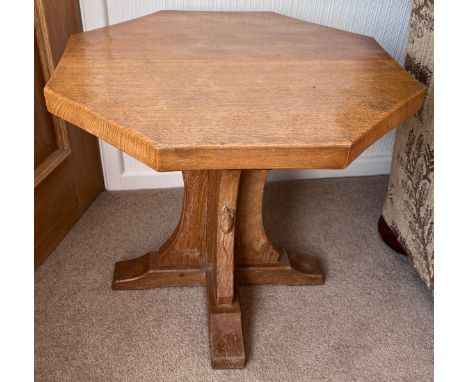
column 289, row 270
column 225, row 331
column 144, row 272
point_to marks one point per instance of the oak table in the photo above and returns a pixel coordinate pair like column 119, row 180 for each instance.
column 224, row 97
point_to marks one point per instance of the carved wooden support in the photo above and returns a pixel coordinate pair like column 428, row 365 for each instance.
column 219, row 242
column 187, row 243
column 252, row 244
column 222, row 204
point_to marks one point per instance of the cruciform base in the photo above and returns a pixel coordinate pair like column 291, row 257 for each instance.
column 220, row 243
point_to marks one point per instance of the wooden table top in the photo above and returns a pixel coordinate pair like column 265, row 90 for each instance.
column 218, row 90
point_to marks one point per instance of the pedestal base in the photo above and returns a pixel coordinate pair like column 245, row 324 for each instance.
column 220, row 243
column 145, row 273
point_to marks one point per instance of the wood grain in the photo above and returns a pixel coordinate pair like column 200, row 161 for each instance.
column 290, row 269
column 146, row 272
column 252, row 244
column 225, row 330
column 55, row 209
column 45, row 141
column 217, row 90
column 222, row 204
column 187, row 243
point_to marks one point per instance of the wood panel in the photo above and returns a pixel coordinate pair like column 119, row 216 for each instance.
column 55, row 210
column 67, row 176
column 55, row 21
column 45, row 140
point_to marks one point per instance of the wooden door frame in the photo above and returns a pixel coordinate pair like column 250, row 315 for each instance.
column 69, row 178
column 47, row 65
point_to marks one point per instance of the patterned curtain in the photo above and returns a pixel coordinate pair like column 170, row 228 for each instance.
column 409, row 206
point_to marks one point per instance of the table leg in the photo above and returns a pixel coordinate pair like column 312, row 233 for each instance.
column 182, row 259
column 224, row 315
column 257, row 261
column 220, row 242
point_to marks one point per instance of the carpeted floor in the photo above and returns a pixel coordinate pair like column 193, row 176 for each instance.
column 371, row 321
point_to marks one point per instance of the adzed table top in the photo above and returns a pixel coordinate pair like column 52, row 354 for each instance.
column 217, row 90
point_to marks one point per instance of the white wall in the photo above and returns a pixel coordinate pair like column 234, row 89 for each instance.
column 386, row 21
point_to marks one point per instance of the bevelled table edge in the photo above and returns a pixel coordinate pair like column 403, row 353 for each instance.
column 336, row 155
column 390, row 120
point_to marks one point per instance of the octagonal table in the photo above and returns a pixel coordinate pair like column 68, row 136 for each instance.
column 224, row 97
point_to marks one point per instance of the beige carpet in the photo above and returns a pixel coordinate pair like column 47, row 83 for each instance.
column 371, row 321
